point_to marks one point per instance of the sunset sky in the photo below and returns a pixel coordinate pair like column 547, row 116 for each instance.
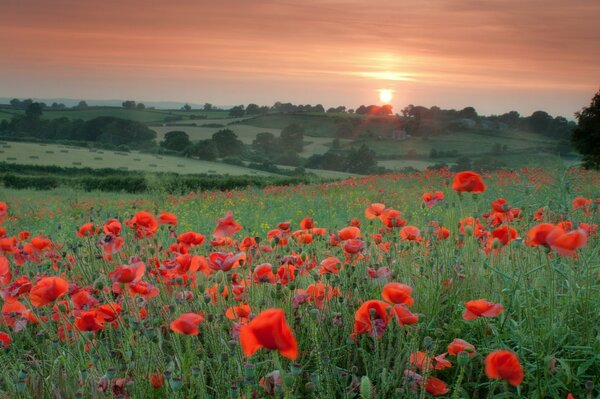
column 494, row 55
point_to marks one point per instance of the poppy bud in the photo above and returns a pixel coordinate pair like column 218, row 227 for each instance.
column 427, row 342
column 176, row 383
column 589, row 386
column 366, row 388
column 22, row 374
column 296, row 369
column 99, row 285
column 196, row 371
column 111, row 373
column 463, row 358
column 310, row 386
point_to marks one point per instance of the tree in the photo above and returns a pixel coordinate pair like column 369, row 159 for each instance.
column 265, row 143
column 186, row 108
column 176, row 140
column 292, row 137
column 237, row 111
column 33, row 111
column 204, row 149
column 82, row 104
column 586, row 136
column 227, row 143
column 252, row 109
column 140, row 106
column 208, row 107
column 129, row 104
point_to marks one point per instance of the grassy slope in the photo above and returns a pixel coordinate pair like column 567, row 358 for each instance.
column 59, row 155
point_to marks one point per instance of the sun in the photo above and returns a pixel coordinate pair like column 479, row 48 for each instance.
column 385, row 95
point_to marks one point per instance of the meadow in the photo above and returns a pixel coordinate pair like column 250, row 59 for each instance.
column 156, row 295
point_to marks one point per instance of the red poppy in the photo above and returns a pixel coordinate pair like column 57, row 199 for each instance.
column 436, row 387
column 108, row 312
column 432, row 199
column 468, row 182
column 330, row 265
column 263, row 274
column 47, row 290
column 240, row 313
column 226, row 226
column 410, row 233
column 88, row 321
column 442, row 233
column 374, row 210
column 481, row 308
column 269, row 330
column 144, row 289
column 191, row 238
column 144, row 224
column 392, row 218
column 226, row 261
column 504, row 364
column 458, row 345
column 5, row 272
column 3, row 210
column 87, row 230
column 372, row 318
column 187, row 323
column 157, row 380
column 112, row 226
column 307, row 223
column 5, row 339
column 537, row 235
column 398, row 293
column 566, row 243
column 128, row 273
column 403, row 316
column 167, row 218
column 349, row 233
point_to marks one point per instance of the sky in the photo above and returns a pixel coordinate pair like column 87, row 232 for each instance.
column 493, row 55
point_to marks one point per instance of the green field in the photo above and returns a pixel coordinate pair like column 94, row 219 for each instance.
column 67, row 156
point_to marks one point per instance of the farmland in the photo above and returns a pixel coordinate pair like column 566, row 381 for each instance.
column 107, row 335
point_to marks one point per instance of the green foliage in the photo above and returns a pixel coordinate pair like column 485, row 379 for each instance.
column 227, row 143
column 204, row 149
column 586, row 136
column 292, row 137
column 176, row 140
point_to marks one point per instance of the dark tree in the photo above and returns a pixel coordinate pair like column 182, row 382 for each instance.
column 204, row 149
column 140, row 106
column 208, row 107
column 292, row 137
column 176, row 140
column 186, row 108
column 81, row 105
column 237, row 111
column 129, row 104
column 227, row 143
column 265, row 143
column 34, row 111
column 586, row 136
column 252, row 109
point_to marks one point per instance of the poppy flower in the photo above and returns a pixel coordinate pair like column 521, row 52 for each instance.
column 432, row 199
column 144, row 224
column 307, row 223
column 330, row 265
column 5, row 272
column 371, row 317
column 144, row 289
column 397, row 293
column 504, row 364
column 349, row 233
column 263, row 274
column 47, row 290
column 128, row 273
column 392, row 218
column 191, row 238
column 88, row 321
column 468, row 182
column 374, row 210
column 537, row 235
column 226, row 226
column 187, row 323
column 319, row 293
column 108, row 312
column 582, row 203
column 87, row 230
column 403, row 316
column 167, row 218
column 481, row 308
column 41, row 244
column 83, row 300
column 112, row 226
column 5, row 339
column 3, row 210
column 458, row 345
column 442, row 233
column 157, row 380
column 436, row 387
column 566, row 243
column 226, row 261
column 240, row 313
column 410, row 233
column 269, row 330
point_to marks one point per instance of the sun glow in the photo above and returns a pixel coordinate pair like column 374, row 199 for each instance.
column 385, row 95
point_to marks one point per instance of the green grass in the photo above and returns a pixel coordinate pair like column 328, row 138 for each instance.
column 67, row 156
column 550, row 317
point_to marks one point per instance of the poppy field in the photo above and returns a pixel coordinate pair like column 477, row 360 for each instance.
column 409, row 285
